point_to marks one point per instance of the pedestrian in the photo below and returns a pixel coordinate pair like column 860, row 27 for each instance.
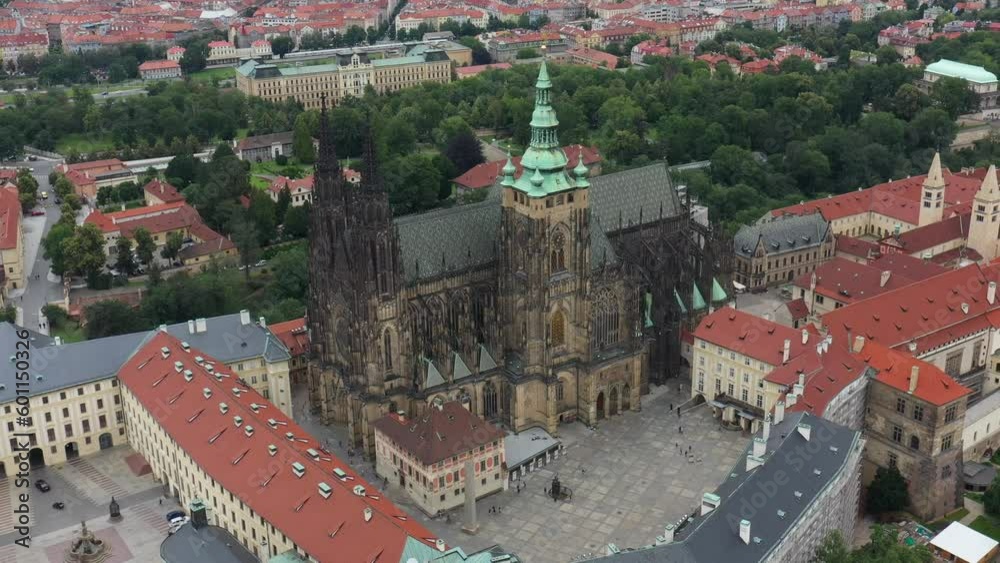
column 500, row 510
column 161, row 501
column 680, row 429
column 678, row 412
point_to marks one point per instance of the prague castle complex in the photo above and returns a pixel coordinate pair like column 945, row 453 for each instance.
column 555, row 299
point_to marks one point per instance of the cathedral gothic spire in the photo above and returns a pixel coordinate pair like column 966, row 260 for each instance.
column 328, row 180
column 544, row 162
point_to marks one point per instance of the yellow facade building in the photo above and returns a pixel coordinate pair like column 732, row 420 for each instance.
column 350, row 75
column 11, row 243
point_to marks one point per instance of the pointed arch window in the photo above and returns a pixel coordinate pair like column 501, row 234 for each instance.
column 558, row 328
column 387, row 344
column 557, row 260
column 605, row 319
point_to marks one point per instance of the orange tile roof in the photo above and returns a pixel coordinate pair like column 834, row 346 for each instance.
column 163, row 191
column 898, row 199
column 10, row 218
column 293, row 334
column 440, row 433
column 856, row 247
column 327, row 529
column 159, row 65
column 825, row 374
column 895, row 369
column 750, row 335
column 848, row 281
column 929, row 313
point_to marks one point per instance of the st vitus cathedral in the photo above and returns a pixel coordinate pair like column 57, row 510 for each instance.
column 559, row 297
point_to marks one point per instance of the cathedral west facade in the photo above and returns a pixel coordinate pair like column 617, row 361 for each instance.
column 558, row 298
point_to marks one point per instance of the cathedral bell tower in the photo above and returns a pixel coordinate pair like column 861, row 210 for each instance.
column 984, row 227
column 545, row 248
column 932, row 195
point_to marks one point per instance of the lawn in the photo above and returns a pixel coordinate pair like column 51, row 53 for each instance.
column 293, row 168
column 259, row 183
column 83, row 143
column 69, row 331
column 987, row 525
column 978, row 497
column 210, row 74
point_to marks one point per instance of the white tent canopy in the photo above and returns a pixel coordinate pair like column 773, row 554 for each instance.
column 964, row 543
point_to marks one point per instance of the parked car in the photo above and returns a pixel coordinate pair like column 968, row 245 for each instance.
column 175, row 514
column 32, row 157
column 37, row 212
column 42, row 485
column 45, row 195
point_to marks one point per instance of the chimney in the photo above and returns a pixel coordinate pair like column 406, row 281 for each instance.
column 753, row 462
column 759, row 447
column 244, row 317
column 263, row 322
column 798, row 389
column 779, row 412
column 767, row 317
column 767, row 427
column 787, row 350
column 745, row 531
column 791, row 399
column 912, row 346
column 401, row 415
column 914, row 376
column 885, row 278
column 812, row 282
column 805, row 336
column 191, row 326
column 200, row 325
column 58, row 341
column 805, row 430
column 199, row 514
column 439, row 544
column 668, row 533
column 991, row 292
column 802, row 378
column 859, row 344
column 709, row 502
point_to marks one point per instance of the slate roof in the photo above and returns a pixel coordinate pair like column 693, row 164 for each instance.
column 714, row 538
column 783, row 234
column 209, row 543
column 445, row 240
column 77, row 363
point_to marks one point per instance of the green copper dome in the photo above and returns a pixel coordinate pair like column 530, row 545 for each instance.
column 544, row 161
column 718, row 294
column 581, row 172
column 697, row 301
column 508, row 173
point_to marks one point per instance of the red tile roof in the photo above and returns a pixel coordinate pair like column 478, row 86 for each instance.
column 929, row 313
column 848, row 281
column 10, row 218
column 934, row 234
column 895, row 369
column 825, row 374
column 898, row 199
column 750, row 335
column 111, row 222
column 797, row 309
column 294, row 186
column 327, row 529
column 440, row 433
column 856, row 247
column 469, row 71
column 163, row 190
column 293, row 334
column 907, row 266
column 485, row 174
column 158, row 65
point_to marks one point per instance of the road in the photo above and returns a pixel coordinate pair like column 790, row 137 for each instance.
column 46, row 287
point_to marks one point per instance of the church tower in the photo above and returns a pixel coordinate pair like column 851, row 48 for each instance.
column 984, row 228
column 544, row 256
column 932, row 195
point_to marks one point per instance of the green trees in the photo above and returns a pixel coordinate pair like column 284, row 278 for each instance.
column 53, row 246
column 954, row 96
column 195, row 56
column 526, row 53
column 245, row 237
column 172, row 247
column 110, row 318
column 464, row 151
column 27, row 188
column 882, row 548
column 281, row 45
column 296, row 223
column 991, row 498
column 302, row 140
column 888, row 492
column 82, row 254
column 124, row 261
column 144, row 245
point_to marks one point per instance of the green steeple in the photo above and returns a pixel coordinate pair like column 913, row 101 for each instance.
column 718, row 294
column 581, row 172
column 508, row 173
column 680, row 302
column 544, row 161
column 697, row 301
